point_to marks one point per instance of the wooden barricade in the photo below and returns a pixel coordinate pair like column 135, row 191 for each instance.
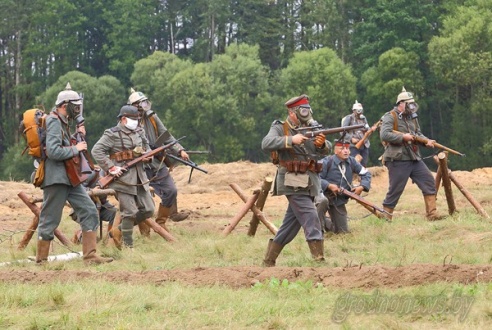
column 445, row 175
column 34, row 224
column 258, row 197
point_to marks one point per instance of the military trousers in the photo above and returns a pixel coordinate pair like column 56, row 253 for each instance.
column 54, row 198
column 301, row 213
column 163, row 185
column 399, row 171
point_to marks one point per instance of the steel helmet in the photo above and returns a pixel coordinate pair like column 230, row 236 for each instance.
column 136, row 97
column 404, row 96
column 68, row 95
column 129, row 111
column 357, row 107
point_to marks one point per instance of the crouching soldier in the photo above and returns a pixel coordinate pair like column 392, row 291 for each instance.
column 115, row 148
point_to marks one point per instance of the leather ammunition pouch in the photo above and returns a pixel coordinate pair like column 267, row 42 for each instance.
column 301, row 166
column 122, row 155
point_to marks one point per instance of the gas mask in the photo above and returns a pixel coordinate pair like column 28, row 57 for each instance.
column 145, row 105
column 131, row 124
column 305, row 115
column 74, row 111
column 411, row 108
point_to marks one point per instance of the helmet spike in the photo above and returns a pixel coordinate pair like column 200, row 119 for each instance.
column 403, row 89
column 68, row 87
column 132, row 90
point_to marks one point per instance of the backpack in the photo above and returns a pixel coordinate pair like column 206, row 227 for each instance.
column 343, row 119
column 34, row 130
column 33, row 126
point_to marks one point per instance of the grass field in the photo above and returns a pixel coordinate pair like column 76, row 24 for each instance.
column 406, row 274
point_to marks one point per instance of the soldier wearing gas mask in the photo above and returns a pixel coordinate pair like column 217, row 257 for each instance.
column 357, row 117
column 119, row 145
column 402, row 156
column 297, row 178
column 157, row 171
column 56, row 186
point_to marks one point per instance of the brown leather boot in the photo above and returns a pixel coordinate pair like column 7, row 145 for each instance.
column 175, row 216
column 273, row 250
column 144, row 229
column 42, row 251
column 162, row 215
column 431, row 209
column 317, row 250
column 89, row 249
column 117, row 236
column 390, row 211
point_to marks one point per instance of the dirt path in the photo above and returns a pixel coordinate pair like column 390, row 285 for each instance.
column 363, row 277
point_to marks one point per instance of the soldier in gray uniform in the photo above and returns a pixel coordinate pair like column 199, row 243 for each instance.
column 337, row 172
column 56, row 186
column 297, row 178
column 402, row 155
column 157, row 171
column 354, row 136
column 115, row 148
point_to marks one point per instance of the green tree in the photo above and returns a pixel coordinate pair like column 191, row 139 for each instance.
column 221, row 103
column 328, row 82
column 461, row 58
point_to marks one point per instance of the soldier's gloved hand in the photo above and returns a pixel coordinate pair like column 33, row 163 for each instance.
column 117, row 171
column 319, row 141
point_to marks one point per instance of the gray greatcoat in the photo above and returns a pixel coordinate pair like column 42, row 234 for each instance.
column 56, row 186
column 117, row 139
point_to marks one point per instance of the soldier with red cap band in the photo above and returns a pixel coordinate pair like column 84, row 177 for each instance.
column 297, row 178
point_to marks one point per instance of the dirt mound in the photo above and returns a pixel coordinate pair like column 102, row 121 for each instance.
column 362, row 277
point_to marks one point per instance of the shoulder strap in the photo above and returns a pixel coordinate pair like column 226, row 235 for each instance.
column 153, row 122
column 395, row 120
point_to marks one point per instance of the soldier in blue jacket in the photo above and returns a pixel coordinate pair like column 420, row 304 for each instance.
column 337, row 173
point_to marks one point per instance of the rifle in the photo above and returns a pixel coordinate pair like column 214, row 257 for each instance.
column 197, row 152
column 367, row 134
column 424, row 141
column 327, row 131
column 189, row 163
column 106, row 180
column 373, row 208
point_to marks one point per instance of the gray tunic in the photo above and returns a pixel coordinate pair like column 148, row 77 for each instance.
column 396, row 149
column 276, row 140
column 117, row 139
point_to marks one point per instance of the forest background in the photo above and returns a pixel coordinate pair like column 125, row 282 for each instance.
column 219, row 71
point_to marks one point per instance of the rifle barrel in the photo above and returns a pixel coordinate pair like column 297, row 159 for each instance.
column 437, row 145
column 333, row 130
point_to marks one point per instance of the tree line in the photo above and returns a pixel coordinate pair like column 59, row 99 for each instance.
column 219, row 71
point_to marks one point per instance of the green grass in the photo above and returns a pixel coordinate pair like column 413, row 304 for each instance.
column 464, row 238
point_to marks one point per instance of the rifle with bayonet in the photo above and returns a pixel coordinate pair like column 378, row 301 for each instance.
column 313, row 131
column 106, row 180
column 373, row 208
column 424, row 141
column 368, row 133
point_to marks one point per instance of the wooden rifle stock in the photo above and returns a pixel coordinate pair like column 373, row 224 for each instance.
column 424, row 141
column 334, row 130
column 374, row 127
column 373, row 208
column 106, row 180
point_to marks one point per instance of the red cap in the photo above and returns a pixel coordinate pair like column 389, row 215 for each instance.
column 297, row 101
column 339, row 143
